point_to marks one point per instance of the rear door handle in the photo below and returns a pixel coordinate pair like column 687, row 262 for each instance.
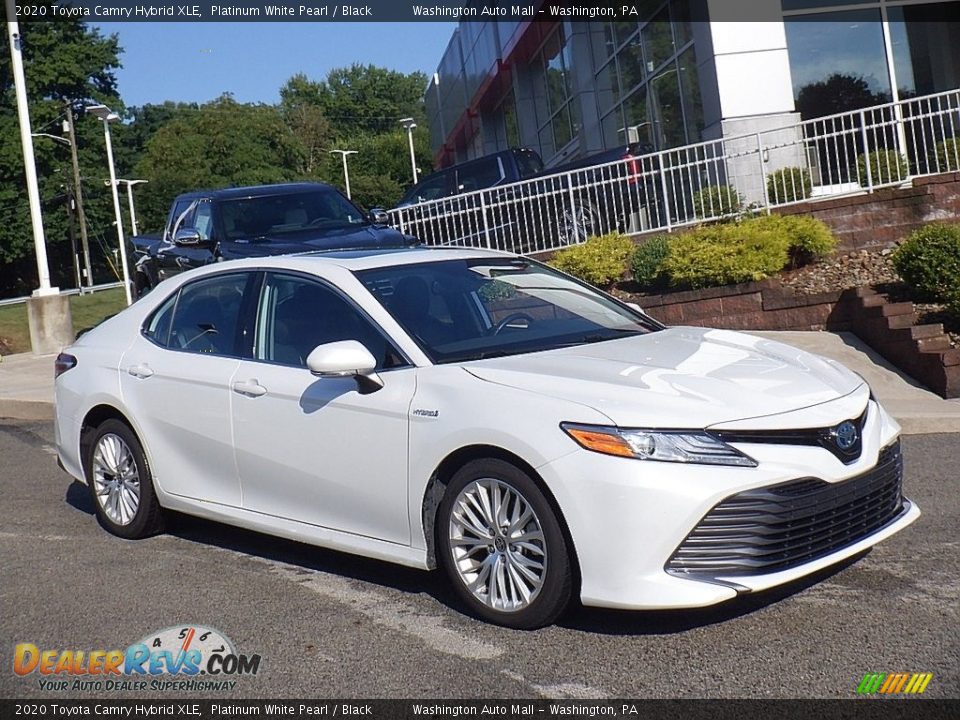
column 250, row 388
column 142, row 371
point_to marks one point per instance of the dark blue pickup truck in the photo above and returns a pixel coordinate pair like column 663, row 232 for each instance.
column 507, row 200
column 210, row 226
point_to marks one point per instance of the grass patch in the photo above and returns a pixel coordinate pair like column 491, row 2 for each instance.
column 87, row 311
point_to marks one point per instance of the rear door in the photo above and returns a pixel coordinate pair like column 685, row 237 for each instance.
column 175, row 379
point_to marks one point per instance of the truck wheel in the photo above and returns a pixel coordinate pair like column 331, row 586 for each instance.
column 578, row 222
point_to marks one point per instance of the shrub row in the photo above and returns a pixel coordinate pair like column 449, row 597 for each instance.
column 706, row 256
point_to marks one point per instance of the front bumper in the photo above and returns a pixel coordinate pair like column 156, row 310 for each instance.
column 628, row 518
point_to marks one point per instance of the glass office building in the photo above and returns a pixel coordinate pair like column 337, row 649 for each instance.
column 678, row 75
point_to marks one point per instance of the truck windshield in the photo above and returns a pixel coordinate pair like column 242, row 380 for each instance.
column 283, row 214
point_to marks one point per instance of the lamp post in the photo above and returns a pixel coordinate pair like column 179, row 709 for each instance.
column 346, row 173
column 409, row 124
column 29, row 164
column 106, row 115
column 133, row 214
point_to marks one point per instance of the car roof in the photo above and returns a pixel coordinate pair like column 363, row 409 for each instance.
column 251, row 191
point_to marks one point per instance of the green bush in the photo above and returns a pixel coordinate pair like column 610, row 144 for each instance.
column 946, row 156
column 717, row 200
column 886, row 166
column 808, row 239
column 929, row 261
column 788, row 185
column 725, row 254
column 647, row 261
column 600, row 261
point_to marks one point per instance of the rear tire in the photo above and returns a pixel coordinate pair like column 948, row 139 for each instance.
column 120, row 482
column 578, row 223
column 501, row 545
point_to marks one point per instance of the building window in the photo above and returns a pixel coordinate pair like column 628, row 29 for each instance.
column 838, row 57
column 926, row 54
column 837, row 61
column 649, row 90
column 559, row 117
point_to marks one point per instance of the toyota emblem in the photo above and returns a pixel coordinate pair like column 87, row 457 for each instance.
column 845, row 435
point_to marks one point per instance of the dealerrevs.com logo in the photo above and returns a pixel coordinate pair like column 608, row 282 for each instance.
column 185, row 657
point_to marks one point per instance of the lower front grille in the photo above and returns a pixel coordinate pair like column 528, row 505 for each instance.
column 775, row 528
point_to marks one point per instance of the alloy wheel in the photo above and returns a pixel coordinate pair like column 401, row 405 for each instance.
column 498, row 545
column 116, row 479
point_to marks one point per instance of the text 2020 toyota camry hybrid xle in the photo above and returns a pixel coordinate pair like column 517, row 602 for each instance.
column 480, row 412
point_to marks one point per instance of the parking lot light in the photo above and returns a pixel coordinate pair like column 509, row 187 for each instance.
column 106, row 115
column 409, row 124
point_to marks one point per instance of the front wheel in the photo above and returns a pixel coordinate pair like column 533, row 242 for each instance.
column 502, row 547
column 120, row 482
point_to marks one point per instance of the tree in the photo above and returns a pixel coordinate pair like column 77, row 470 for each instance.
column 838, row 93
column 64, row 61
column 359, row 108
column 223, row 143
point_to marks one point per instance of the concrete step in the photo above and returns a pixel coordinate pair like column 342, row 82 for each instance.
column 888, row 309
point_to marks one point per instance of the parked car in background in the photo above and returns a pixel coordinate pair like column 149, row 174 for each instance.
column 508, row 200
column 204, row 227
column 476, row 411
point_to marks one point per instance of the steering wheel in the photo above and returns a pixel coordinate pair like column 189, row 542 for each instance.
column 511, row 318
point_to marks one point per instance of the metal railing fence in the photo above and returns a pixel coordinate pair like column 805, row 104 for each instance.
column 848, row 153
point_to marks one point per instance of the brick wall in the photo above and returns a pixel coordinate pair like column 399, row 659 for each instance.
column 882, row 218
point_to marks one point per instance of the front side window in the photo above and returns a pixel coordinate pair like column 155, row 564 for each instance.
column 202, row 318
column 459, row 310
column 297, row 314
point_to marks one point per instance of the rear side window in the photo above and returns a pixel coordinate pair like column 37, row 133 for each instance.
column 479, row 175
column 202, row 318
column 528, row 163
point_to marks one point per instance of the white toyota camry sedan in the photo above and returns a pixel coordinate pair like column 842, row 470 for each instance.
column 482, row 413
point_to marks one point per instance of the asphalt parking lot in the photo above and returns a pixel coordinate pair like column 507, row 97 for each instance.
column 331, row 625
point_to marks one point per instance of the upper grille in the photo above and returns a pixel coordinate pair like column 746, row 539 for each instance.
column 774, row 528
column 822, row 436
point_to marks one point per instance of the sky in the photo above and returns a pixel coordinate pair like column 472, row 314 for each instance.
column 197, row 62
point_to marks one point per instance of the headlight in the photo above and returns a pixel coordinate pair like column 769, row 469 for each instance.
column 683, row 446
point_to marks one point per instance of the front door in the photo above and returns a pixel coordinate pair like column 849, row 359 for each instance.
column 319, row 450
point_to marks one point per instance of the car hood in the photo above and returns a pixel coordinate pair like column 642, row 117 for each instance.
column 677, row 378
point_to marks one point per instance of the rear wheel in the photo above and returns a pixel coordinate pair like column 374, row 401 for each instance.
column 120, row 482
column 579, row 222
column 502, row 547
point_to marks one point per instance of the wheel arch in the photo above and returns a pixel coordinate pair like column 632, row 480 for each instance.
column 95, row 417
column 441, row 476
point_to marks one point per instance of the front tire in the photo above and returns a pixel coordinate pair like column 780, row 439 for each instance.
column 502, row 547
column 120, row 482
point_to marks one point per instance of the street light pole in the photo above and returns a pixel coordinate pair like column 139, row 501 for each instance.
column 346, row 173
column 409, row 124
column 29, row 164
column 107, row 116
column 78, row 195
column 133, row 214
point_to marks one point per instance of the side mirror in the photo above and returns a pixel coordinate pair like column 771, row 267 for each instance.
column 188, row 237
column 634, row 306
column 378, row 216
column 346, row 358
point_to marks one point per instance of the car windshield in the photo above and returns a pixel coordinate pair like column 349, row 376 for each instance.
column 460, row 310
column 293, row 213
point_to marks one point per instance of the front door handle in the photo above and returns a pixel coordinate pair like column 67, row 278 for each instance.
column 142, row 371
column 250, row 388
